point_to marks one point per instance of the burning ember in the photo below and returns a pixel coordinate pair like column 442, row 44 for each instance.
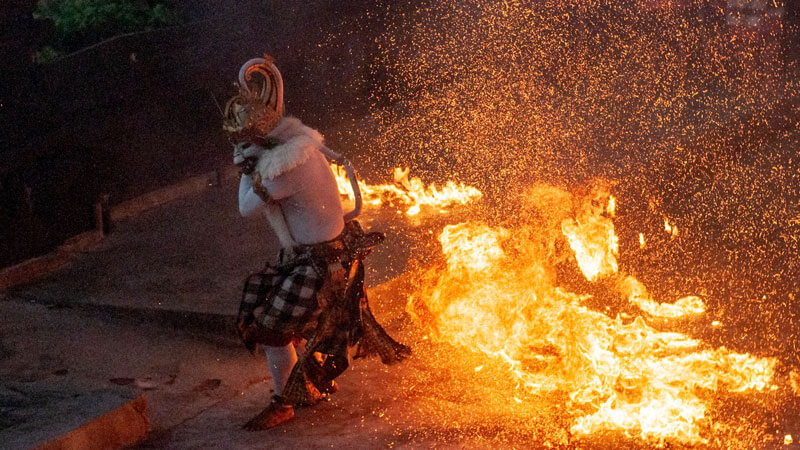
column 691, row 119
column 499, row 293
column 409, row 194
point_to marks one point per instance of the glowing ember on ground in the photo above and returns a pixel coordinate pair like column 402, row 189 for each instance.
column 410, row 194
column 499, row 294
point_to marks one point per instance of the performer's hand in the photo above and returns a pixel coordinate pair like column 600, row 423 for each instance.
column 248, row 166
column 248, row 334
column 253, row 335
column 245, row 157
column 260, row 190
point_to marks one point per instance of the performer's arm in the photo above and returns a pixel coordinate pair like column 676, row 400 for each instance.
column 249, row 202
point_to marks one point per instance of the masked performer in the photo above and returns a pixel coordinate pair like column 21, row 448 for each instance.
column 316, row 291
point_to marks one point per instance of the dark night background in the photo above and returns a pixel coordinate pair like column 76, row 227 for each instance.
column 142, row 112
column 139, row 113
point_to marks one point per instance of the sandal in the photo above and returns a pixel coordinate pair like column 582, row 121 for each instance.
column 273, row 415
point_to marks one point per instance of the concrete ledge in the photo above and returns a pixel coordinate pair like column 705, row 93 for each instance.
column 35, row 268
column 214, row 327
column 56, row 415
column 164, row 195
column 32, row 269
column 119, row 428
column 221, row 328
column 217, row 328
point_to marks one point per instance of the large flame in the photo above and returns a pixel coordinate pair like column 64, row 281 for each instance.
column 410, row 194
column 591, row 236
column 498, row 294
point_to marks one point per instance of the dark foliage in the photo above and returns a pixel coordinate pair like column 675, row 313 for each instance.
column 79, row 23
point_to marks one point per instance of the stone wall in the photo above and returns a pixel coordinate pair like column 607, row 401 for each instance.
column 140, row 112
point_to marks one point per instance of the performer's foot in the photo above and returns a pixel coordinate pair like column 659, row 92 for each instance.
column 275, row 414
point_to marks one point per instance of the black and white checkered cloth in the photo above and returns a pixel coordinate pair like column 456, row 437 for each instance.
column 317, row 293
column 285, row 301
column 282, row 299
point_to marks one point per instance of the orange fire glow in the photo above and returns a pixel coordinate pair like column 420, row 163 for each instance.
column 409, row 194
column 498, row 294
column 591, row 236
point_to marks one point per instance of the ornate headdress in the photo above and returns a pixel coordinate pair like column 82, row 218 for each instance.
column 256, row 109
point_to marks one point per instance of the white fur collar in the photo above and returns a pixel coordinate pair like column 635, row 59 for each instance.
column 297, row 142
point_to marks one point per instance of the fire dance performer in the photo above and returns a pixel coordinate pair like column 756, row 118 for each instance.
column 316, row 291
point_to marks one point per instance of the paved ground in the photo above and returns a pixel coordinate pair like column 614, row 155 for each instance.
column 65, row 365
column 149, row 310
column 189, row 255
